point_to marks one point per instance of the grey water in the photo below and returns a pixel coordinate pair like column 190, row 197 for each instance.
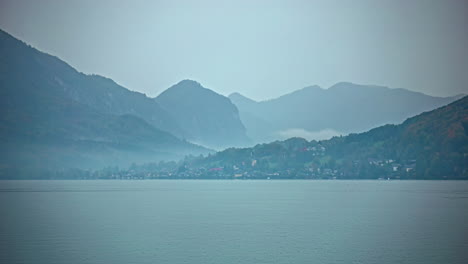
column 209, row 221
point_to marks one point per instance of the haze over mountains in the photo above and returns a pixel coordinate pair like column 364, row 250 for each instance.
column 211, row 119
column 432, row 145
column 54, row 117
column 320, row 113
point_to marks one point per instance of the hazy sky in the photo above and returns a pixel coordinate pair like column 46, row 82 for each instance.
column 261, row 49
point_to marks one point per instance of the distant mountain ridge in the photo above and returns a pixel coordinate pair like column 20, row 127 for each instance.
column 211, row 119
column 52, row 116
column 431, row 145
column 345, row 107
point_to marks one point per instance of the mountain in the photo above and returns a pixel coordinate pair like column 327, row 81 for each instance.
column 55, row 117
column 259, row 127
column 432, row 145
column 344, row 108
column 28, row 66
column 211, row 118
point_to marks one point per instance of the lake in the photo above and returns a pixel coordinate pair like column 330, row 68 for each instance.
column 225, row 221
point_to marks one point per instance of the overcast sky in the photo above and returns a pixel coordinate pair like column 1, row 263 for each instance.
column 261, row 49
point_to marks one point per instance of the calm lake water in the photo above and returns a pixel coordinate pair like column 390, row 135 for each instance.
column 184, row 221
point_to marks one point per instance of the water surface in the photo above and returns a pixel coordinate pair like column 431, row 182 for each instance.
column 203, row 221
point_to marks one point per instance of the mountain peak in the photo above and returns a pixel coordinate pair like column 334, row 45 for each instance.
column 354, row 86
column 237, row 97
column 312, row 87
column 300, row 93
column 187, row 86
column 236, row 94
column 342, row 84
column 188, row 82
column 212, row 118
